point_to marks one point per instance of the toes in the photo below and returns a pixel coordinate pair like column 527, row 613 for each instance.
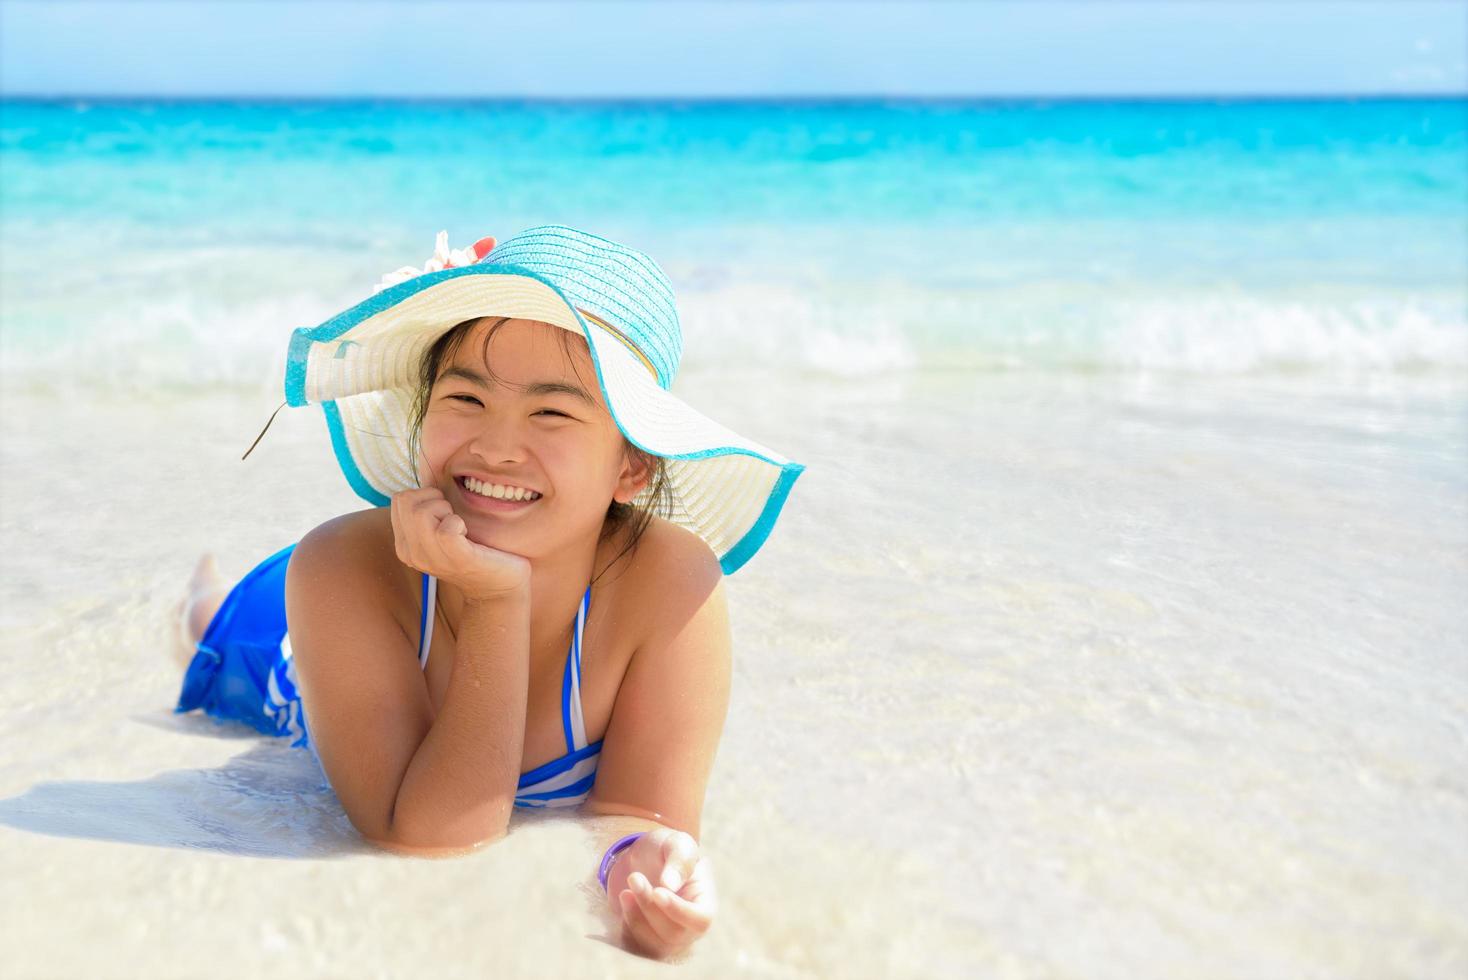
column 206, row 573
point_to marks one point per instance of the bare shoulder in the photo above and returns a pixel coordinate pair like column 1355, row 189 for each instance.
column 362, row 538
column 673, row 574
column 353, row 550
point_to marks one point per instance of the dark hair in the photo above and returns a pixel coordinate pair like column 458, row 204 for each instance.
column 659, row 490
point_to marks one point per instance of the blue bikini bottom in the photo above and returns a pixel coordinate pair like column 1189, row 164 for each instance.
column 242, row 669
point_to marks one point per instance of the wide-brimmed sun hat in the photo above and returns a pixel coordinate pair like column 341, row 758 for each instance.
column 361, row 367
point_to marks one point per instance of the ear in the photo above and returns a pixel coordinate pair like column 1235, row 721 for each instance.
column 637, row 471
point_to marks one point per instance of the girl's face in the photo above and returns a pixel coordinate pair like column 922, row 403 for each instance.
column 542, row 426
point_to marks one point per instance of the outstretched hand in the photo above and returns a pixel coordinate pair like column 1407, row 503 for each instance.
column 430, row 537
column 670, row 900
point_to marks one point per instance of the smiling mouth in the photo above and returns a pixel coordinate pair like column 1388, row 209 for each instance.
column 496, row 496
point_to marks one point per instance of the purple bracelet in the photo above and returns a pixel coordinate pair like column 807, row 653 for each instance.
column 611, row 855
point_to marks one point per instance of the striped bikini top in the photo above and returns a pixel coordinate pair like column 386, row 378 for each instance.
column 565, row 781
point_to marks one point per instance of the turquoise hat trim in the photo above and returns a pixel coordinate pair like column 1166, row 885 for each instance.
column 746, row 546
column 344, row 458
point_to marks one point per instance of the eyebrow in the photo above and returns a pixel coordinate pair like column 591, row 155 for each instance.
column 534, row 388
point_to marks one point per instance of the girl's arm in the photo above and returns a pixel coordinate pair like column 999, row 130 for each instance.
column 659, row 748
column 455, row 793
column 407, row 780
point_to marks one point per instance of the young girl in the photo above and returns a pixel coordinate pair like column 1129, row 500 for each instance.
column 536, row 617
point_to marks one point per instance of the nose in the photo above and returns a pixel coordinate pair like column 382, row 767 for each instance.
column 499, row 439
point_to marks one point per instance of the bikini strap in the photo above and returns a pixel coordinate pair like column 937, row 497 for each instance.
column 572, row 721
column 426, row 617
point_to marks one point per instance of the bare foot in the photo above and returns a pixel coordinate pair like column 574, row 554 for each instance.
column 206, row 592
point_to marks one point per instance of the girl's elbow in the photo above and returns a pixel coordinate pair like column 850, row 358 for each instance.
column 415, row 839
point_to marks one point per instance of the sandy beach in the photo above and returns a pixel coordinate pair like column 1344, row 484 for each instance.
column 1082, row 677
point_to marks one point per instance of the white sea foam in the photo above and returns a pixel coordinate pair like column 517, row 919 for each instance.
column 780, row 328
column 1233, row 335
column 194, row 339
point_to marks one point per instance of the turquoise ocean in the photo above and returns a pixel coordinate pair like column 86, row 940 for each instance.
column 1115, row 629
column 179, row 239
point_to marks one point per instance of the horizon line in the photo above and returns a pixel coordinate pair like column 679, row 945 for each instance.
column 1450, row 95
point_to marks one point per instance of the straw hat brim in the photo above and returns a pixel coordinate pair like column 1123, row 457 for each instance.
column 361, row 367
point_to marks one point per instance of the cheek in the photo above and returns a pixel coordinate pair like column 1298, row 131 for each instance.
column 436, row 439
column 582, row 462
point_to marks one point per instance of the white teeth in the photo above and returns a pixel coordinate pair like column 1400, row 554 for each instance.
column 499, row 491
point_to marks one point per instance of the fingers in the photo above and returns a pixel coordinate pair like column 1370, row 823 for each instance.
column 430, row 537
column 691, row 919
column 661, row 917
column 698, row 895
column 680, row 852
column 424, row 528
column 674, row 916
column 635, row 921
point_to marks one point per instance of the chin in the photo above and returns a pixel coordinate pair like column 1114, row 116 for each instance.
column 489, row 537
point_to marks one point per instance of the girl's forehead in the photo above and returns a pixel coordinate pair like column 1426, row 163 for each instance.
column 522, row 341
column 528, row 352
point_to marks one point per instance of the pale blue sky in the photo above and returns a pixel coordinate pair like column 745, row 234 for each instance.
column 746, row 48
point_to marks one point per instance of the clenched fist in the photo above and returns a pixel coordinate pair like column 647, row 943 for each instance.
column 430, row 537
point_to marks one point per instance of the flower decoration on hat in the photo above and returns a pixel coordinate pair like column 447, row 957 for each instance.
column 443, row 258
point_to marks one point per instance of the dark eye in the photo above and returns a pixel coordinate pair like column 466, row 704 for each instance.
column 552, row 411
column 465, row 398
